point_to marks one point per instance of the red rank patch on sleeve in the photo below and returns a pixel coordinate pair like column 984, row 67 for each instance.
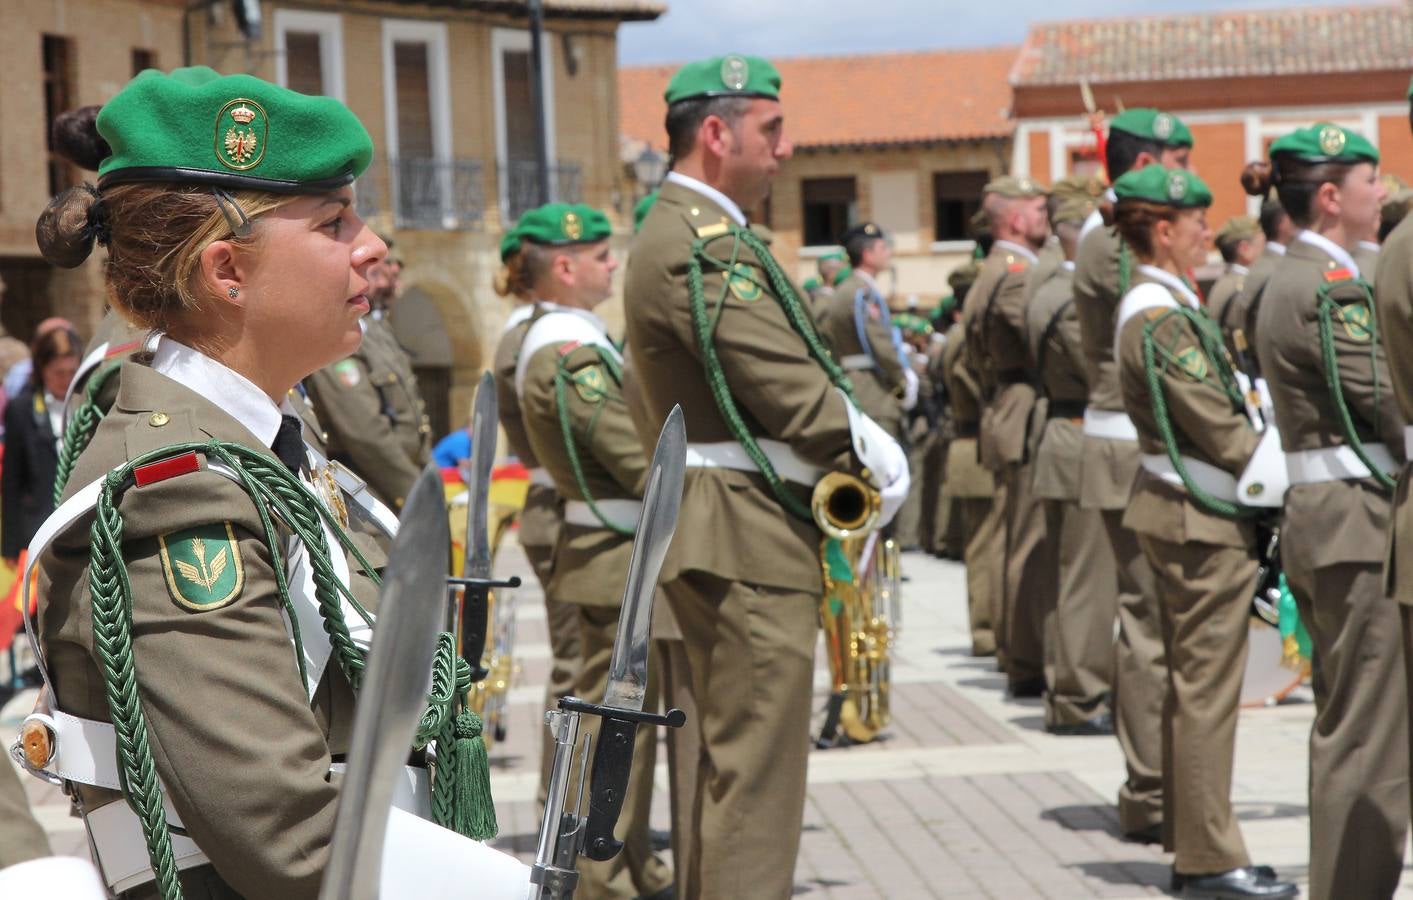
column 1340, row 274
column 1017, row 267
column 568, row 348
column 167, row 468
column 121, row 349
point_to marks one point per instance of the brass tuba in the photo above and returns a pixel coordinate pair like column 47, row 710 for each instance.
column 859, row 609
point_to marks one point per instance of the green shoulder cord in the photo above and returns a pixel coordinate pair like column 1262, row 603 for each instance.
column 1125, row 268
column 81, row 427
column 562, row 379
column 1328, row 307
column 704, row 325
column 1209, row 338
column 276, row 492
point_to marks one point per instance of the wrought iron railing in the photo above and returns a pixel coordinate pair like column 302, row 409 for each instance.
column 422, row 193
column 521, row 183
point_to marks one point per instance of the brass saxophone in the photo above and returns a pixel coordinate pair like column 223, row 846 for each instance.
column 859, row 609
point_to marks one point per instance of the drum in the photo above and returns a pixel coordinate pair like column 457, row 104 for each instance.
column 1268, row 680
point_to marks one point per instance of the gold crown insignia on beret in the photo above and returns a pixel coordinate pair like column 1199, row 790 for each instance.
column 573, row 226
column 243, row 114
column 735, row 72
column 1332, row 141
column 1177, row 185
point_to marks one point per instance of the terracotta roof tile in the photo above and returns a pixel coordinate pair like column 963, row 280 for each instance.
column 878, row 99
column 639, row 10
column 1294, row 41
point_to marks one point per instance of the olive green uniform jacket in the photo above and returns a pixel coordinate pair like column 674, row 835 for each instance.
column 1221, row 303
column 1052, row 332
column 877, row 386
column 994, row 319
column 242, row 751
column 965, row 478
column 1247, row 304
column 752, row 539
column 1394, row 308
column 371, row 408
column 540, row 519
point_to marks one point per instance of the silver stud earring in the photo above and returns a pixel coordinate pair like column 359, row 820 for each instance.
column 233, row 292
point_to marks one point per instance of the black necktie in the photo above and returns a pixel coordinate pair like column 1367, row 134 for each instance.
column 289, row 443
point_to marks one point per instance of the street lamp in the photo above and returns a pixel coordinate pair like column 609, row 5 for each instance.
column 649, row 168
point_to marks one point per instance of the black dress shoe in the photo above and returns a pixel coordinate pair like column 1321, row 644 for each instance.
column 667, row 893
column 1028, row 687
column 1248, row 881
column 1102, row 724
column 1153, row 834
column 1268, row 873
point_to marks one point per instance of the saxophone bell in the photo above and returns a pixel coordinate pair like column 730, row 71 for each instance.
column 845, row 506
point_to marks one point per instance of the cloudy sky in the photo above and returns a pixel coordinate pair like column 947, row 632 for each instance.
column 698, row 28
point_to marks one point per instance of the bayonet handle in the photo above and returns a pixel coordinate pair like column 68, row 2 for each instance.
column 613, row 762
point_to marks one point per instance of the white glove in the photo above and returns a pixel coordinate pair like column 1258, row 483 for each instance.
column 423, row 861
column 910, row 384
column 883, row 459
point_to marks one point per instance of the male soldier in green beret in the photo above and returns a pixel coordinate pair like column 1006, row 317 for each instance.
column 715, row 325
column 1103, row 274
column 821, row 289
column 568, row 379
column 859, row 329
column 370, row 406
column 1079, row 630
column 994, row 320
column 1240, row 242
column 967, row 482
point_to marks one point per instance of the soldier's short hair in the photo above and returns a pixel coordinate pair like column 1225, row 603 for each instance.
column 685, row 117
column 1272, row 215
column 1122, row 151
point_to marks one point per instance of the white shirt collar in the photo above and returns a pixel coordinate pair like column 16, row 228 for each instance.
column 1239, row 269
column 1333, row 250
column 1067, row 265
column 236, row 394
column 1017, row 248
column 1171, row 281
column 1371, row 246
column 1276, row 248
column 868, row 280
column 711, row 194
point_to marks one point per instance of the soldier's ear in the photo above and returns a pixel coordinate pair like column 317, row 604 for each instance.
column 221, row 272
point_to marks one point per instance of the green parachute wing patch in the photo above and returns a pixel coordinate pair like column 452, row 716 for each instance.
column 202, row 566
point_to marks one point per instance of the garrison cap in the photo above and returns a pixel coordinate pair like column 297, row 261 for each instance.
column 558, row 225
column 1072, row 199
column 732, row 75
column 1167, row 187
column 861, row 230
column 1014, row 187
column 961, row 278
column 1236, row 229
column 1324, row 142
column 640, row 210
column 195, row 125
column 1154, row 125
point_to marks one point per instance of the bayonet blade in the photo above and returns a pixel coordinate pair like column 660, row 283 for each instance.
column 1087, row 95
column 662, row 500
column 394, row 691
column 484, row 422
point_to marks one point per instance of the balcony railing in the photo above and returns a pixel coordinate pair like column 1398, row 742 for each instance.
column 520, row 183
column 422, row 193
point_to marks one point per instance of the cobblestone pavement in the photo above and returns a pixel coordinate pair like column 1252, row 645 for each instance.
column 964, row 797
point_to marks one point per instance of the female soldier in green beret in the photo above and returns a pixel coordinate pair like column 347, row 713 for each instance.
column 198, row 610
column 1340, row 427
column 1179, row 389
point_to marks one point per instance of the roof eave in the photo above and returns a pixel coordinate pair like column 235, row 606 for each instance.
column 901, row 144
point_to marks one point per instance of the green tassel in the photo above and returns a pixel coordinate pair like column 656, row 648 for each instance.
column 475, row 810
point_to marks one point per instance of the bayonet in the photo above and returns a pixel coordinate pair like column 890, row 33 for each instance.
column 563, row 832
column 394, row 691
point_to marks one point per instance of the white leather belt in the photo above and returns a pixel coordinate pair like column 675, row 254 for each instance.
column 731, row 455
column 619, row 512
column 541, row 476
column 1337, row 463
column 1109, row 423
column 1215, row 481
column 122, row 850
column 856, row 361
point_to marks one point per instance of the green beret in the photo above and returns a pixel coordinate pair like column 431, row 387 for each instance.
column 842, row 275
column 732, row 75
column 944, row 308
column 912, row 323
column 833, row 255
column 557, row 225
column 1410, row 89
column 1166, row 187
column 1015, row 187
column 234, row 131
column 1323, row 142
column 1153, row 124
column 640, row 210
column 1235, row 230
column 811, row 284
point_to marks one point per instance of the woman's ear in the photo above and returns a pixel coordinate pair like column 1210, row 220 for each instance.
column 1327, row 199
column 222, row 273
column 1163, row 233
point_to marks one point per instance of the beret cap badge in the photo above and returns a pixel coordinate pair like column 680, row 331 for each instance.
column 735, row 72
column 573, row 226
column 242, row 131
column 1177, row 185
column 1162, row 126
column 1332, row 141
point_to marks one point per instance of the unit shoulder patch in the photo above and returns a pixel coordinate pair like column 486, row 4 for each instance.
column 1193, row 363
column 744, row 283
column 346, row 371
column 1357, row 322
column 202, row 566
column 591, row 382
